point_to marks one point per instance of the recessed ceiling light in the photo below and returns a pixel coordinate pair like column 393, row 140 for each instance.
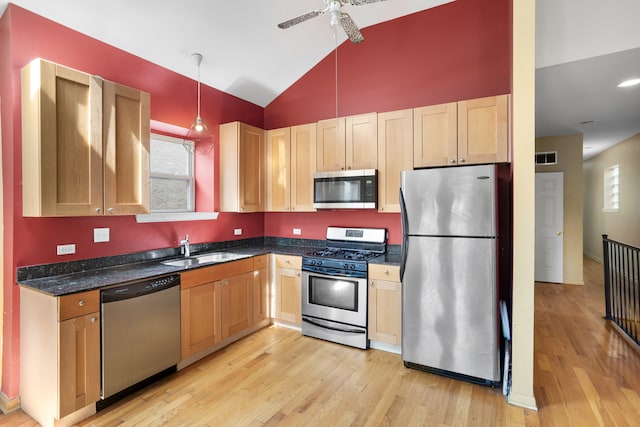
column 630, row 82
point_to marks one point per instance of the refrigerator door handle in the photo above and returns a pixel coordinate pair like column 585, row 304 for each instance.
column 405, row 237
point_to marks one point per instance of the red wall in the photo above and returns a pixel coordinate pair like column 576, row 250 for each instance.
column 460, row 50
column 28, row 241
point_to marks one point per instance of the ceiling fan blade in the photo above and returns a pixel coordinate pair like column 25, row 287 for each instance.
column 351, row 28
column 299, row 19
column 361, row 2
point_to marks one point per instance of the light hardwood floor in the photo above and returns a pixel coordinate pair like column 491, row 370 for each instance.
column 585, row 375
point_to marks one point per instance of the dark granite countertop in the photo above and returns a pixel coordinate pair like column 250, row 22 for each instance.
column 85, row 275
column 79, row 276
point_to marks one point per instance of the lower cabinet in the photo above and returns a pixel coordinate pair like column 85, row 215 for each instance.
column 288, row 287
column 385, row 304
column 221, row 302
column 60, row 355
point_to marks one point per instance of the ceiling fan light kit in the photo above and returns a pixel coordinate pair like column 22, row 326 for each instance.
column 336, row 17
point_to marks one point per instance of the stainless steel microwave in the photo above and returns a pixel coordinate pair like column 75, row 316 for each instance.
column 347, row 189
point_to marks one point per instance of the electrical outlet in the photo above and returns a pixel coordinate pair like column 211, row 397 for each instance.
column 297, row 231
column 237, row 231
column 66, row 249
column 100, row 235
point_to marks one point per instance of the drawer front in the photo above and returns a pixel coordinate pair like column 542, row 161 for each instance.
column 74, row 305
column 260, row 262
column 384, row 272
column 214, row 273
column 289, row 261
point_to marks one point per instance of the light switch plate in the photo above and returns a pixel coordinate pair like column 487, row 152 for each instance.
column 66, row 249
column 297, row 231
column 237, row 231
column 100, row 235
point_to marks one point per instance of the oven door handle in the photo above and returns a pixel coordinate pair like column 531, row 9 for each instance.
column 333, row 328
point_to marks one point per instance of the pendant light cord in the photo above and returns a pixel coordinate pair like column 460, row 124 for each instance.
column 335, row 37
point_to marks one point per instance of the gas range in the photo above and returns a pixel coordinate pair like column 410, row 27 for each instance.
column 348, row 251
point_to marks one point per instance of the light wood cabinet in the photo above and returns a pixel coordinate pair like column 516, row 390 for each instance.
column 288, row 287
column 467, row 132
column 237, row 304
column 385, row 304
column 217, row 302
column 261, row 289
column 435, row 135
column 395, row 154
column 347, row 143
column 85, row 144
column 303, row 166
column 68, row 385
column 483, row 130
column 242, row 168
column 201, row 322
column 126, row 141
column 291, row 163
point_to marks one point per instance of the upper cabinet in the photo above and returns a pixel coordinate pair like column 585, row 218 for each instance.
column 126, row 138
column 291, row 162
column 435, row 135
column 471, row 131
column 395, row 154
column 242, row 168
column 347, row 143
column 85, row 144
column 483, row 130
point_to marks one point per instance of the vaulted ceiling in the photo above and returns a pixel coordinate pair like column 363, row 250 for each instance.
column 583, row 50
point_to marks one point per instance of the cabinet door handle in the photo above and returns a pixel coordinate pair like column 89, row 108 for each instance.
column 370, row 282
column 81, row 303
column 461, row 160
column 297, row 274
column 111, row 210
column 452, row 161
column 386, row 272
column 286, row 261
column 94, row 319
column 226, row 282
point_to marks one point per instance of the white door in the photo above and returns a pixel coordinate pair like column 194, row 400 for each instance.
column 549, row 227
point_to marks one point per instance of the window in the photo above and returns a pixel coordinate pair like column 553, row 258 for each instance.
column 612, row 189
column 172, row 175
column 547, row 158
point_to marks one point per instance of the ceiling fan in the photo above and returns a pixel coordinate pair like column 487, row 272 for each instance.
column 337, row 16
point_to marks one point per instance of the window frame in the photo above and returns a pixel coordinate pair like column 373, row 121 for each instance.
column 611, row 189
column 190, row 179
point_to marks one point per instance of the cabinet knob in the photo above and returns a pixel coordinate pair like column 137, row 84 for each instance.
column 386, row 272
column 98, row 210
column 286, row 261
column 111, row 210
column 461, row 160
column 241, row 208
column 297, row 274
column 370, row 282
column 219, row 284
column 452, row 161
column 81, row 303
column 94, row 319
column 226, row 282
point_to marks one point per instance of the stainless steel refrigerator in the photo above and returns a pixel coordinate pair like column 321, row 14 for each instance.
column 450, row 266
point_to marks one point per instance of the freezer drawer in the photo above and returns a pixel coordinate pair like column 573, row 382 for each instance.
column 450, row 314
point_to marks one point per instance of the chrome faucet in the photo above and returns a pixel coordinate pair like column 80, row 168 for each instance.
column 185, row 242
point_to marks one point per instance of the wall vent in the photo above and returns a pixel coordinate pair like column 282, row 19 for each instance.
column 547, row 158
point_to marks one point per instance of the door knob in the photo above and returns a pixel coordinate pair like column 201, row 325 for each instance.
column 559, row 233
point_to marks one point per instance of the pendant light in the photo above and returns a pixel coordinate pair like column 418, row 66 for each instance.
column 198, row 132
column 198, row 125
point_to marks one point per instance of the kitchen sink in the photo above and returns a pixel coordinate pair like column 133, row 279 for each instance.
column 182, row 262
column 207, row 258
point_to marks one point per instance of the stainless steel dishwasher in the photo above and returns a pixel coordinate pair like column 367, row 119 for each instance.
column 140, row 333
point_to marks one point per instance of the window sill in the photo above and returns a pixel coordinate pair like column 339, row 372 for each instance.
column 177, row 216
column 609, row 210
